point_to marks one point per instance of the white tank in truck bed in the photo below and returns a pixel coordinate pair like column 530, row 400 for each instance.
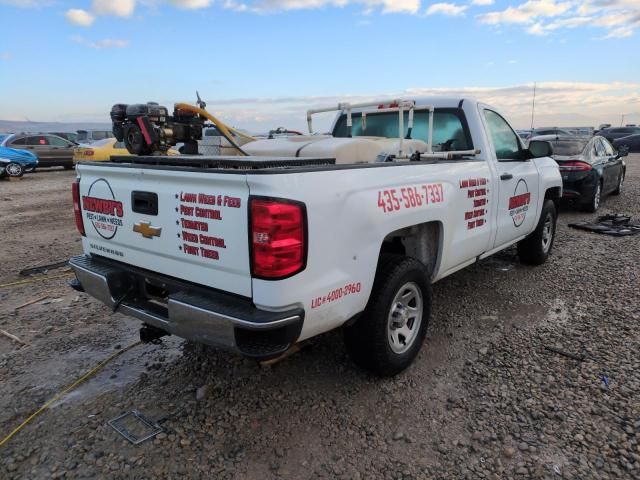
column 344, row 150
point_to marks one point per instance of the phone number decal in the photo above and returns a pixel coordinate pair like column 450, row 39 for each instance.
column 337, row 294
column 394, row 199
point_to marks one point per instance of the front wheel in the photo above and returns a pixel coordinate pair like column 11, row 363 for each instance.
column 535, row 249
column 391, row 331
column 14, row 170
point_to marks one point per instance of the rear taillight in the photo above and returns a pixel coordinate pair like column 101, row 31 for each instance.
column 77, row 210
column 574, row 167
column 278, row 238
column 88, row 153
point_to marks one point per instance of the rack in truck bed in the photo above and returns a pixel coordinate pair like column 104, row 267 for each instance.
column 220, row 162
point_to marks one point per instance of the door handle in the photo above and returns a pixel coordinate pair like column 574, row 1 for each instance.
column 506, row 176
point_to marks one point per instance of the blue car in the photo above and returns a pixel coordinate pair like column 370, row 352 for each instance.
column 13, row 162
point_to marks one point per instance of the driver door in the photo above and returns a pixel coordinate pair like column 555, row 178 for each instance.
column 518, row 181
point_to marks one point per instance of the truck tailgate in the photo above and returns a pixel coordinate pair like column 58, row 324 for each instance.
column 188, row 225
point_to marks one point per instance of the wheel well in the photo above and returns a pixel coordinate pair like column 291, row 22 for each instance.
column 422, row 242
column 555, row 194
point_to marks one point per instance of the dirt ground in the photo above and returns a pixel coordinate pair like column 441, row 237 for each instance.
column 485, row 398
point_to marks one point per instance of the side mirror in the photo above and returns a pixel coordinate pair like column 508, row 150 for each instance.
column 540, row 148
column 623, row 151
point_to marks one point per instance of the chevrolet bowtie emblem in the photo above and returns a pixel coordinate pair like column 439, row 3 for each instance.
column 147, row 230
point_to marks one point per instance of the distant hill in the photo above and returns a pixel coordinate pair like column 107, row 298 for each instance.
column 14, row 126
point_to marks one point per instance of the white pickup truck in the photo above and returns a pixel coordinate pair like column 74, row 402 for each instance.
column 315, row 232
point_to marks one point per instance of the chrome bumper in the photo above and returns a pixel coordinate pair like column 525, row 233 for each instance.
column 192, row 312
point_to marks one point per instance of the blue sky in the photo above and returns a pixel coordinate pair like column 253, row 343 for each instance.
column 262, row 63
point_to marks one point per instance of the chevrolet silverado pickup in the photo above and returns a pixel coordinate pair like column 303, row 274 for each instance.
column 309, row 233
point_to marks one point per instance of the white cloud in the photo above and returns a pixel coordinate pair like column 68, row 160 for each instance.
column 119, row 8
column 621, row 32
column 272, row 6
column 557, row 103
column 80, row 17
column 541, row 17
column 526, row 12
column 482, row 2
column 109, row 43
column 101, row 44
column 191, row 4
column 449, row 9
column 26, row 3
column 401, row 6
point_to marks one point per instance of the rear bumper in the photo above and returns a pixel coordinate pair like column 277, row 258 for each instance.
column 189, row 311
column 579, row 187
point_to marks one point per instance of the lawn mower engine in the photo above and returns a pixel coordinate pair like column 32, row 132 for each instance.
column 148, row 129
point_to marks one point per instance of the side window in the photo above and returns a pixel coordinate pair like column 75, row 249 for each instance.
column 600, row 152
column 19, row 141
column 505, row 140
column 608, row 149
column 39, row 140
column 57, row 141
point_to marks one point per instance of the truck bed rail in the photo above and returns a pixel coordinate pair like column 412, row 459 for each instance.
column 222, row 162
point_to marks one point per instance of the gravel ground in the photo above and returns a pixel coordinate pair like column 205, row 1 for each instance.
column 485, row 398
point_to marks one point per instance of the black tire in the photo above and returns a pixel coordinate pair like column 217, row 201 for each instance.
column 535, row 249
column 368, row 340
column 13, row 169
column 594, row 202
column 618, row 189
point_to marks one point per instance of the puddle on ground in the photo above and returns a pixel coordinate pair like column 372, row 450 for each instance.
column 122, row 371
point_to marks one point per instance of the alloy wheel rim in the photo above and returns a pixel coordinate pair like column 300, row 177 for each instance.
column 620, row 183
column 405, row 317
column 547, row 233
column 596, row 197
column 12, row 169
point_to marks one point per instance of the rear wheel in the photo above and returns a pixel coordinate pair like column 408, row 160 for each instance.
column 14, row 170
column 535, row 249
column 594, row 202
column 618, row 189
column 391, row 331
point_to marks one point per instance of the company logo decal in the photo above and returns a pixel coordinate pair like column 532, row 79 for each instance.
column 147, row 230
column 102, row 209
column 519, row 203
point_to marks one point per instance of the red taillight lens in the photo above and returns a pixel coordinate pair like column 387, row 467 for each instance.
column 574, row 167
column 278, row 238
column 88, row 153
column 77, row 210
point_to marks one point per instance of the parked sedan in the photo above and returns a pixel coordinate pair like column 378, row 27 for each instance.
column 99, row 151
column 613, row 133
column 51, row 150
column 538, row 132
column 102, row 150
column 632, row 142
column 590, row 167
column 13, row 162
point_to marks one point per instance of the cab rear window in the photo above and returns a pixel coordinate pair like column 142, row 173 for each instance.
column 450, row 129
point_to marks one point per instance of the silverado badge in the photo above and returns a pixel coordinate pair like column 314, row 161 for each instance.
column 147, row 230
